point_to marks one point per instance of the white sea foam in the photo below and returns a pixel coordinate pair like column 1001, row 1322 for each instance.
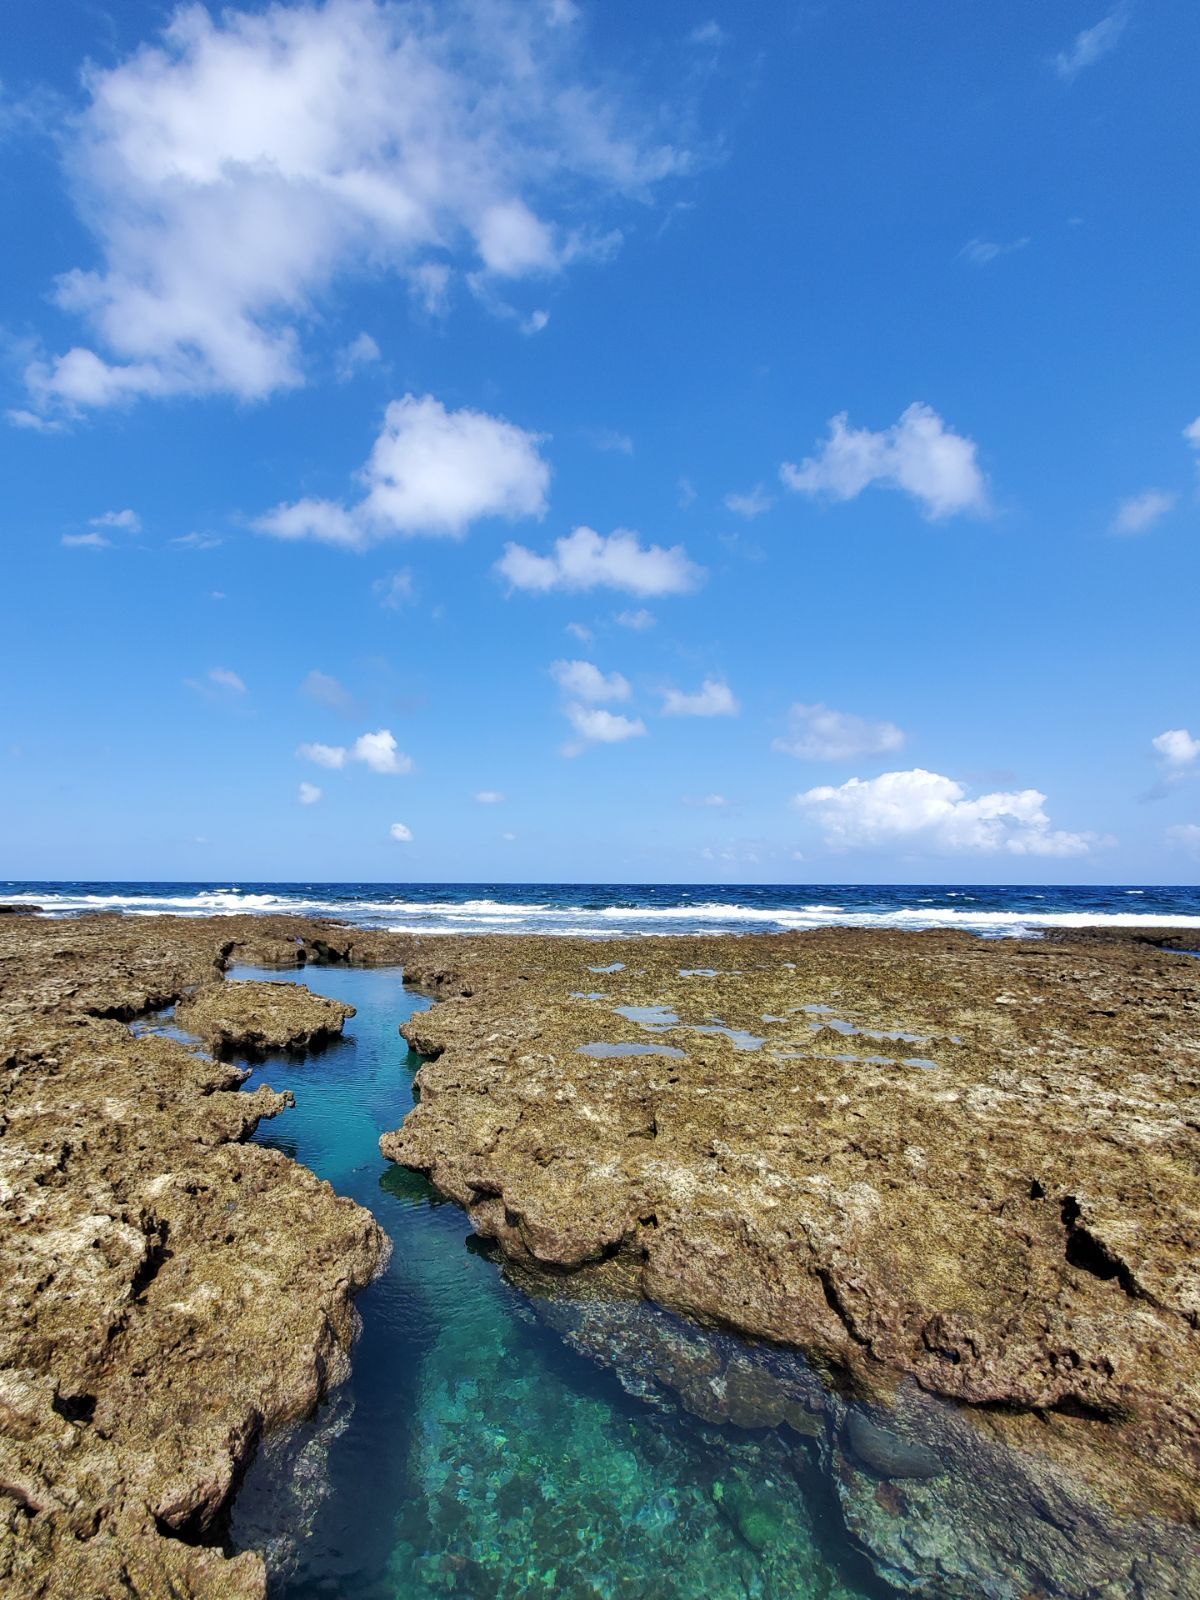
column 404, row 914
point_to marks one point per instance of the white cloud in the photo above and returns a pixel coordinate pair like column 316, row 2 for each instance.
column 361, row 352
column 585, row 559
column 585, row 681
column 714, row 698
column 235, row 170
column 1089, row 45
column 489, row 797
column 818, row 733
column 21, row 417
column 401, row 833
column 1192, row 434
column 595, row 726
column 580, row 631
column 919, row 455
column 607, row 439
column 715, row 801
column 225, row 679
column 395, row 590
column 1185, row 836
column 1177, row 747
column 430, row 471
column 86, row 541
column 638, row 620
column 1141, row 511
column 128, row 521
column 749, row 505
column 981, row 252
column 308, row 794
column 377, row 751
column 327, row 691
column 708, row 33
column 926, row 812
column 333, row 756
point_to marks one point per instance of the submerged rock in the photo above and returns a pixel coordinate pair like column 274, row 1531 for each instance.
column 252, row 1019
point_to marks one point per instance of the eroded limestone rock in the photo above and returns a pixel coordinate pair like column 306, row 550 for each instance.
column 252, row 1019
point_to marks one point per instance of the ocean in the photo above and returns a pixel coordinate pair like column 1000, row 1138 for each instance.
column 616, row 909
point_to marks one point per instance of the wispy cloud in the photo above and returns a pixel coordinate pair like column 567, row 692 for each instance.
column 818, row 733
column 714, row 698
column 1140, row 512
column 127, row 521
column 308, row 794
column 86, row 541
column 585, row 681
column 489, row 797
column 327, row 691
column 981, row 252
column 749, row 505
column 1092, row 44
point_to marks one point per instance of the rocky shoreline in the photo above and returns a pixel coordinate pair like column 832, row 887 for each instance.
column 947, row 1189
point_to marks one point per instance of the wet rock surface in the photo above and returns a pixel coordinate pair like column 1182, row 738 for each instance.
column 168, row 1293
column 252, row 1019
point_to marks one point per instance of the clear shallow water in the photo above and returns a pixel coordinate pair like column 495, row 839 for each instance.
column 605, row 910
column 472, row 1452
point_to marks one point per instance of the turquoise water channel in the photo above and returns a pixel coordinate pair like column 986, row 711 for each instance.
column 472, row 1452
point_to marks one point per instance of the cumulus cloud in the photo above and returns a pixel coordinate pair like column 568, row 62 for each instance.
column 749, row 505
column 333, row 756
column 919, row 455
column 376, row 751
column 401, row 833
column 1092, row 44
column 1177, row 747
column 308, row 794
column 928, row 813
column 431, row 471
column 489, row 797
column 818, row 733
column 585, row 681
column 1141, row 511
column 714, row 698
column 585, row 559
column 237, row 168
column 595, row 726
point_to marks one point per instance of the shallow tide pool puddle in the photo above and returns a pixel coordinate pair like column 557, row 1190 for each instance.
column 471, row 1452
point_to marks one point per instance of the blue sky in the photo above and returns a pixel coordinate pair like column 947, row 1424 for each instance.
column 601, row 441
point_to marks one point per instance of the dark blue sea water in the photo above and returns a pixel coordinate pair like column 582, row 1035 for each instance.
column 607, row 910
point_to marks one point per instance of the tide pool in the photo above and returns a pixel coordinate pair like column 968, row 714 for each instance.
column 472, row 1452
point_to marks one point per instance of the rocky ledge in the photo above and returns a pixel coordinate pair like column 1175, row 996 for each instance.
column 252, row 1019
column 963, row 1170
column 168, row 1292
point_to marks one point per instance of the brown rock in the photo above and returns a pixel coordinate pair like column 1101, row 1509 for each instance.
column 253, row 1019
